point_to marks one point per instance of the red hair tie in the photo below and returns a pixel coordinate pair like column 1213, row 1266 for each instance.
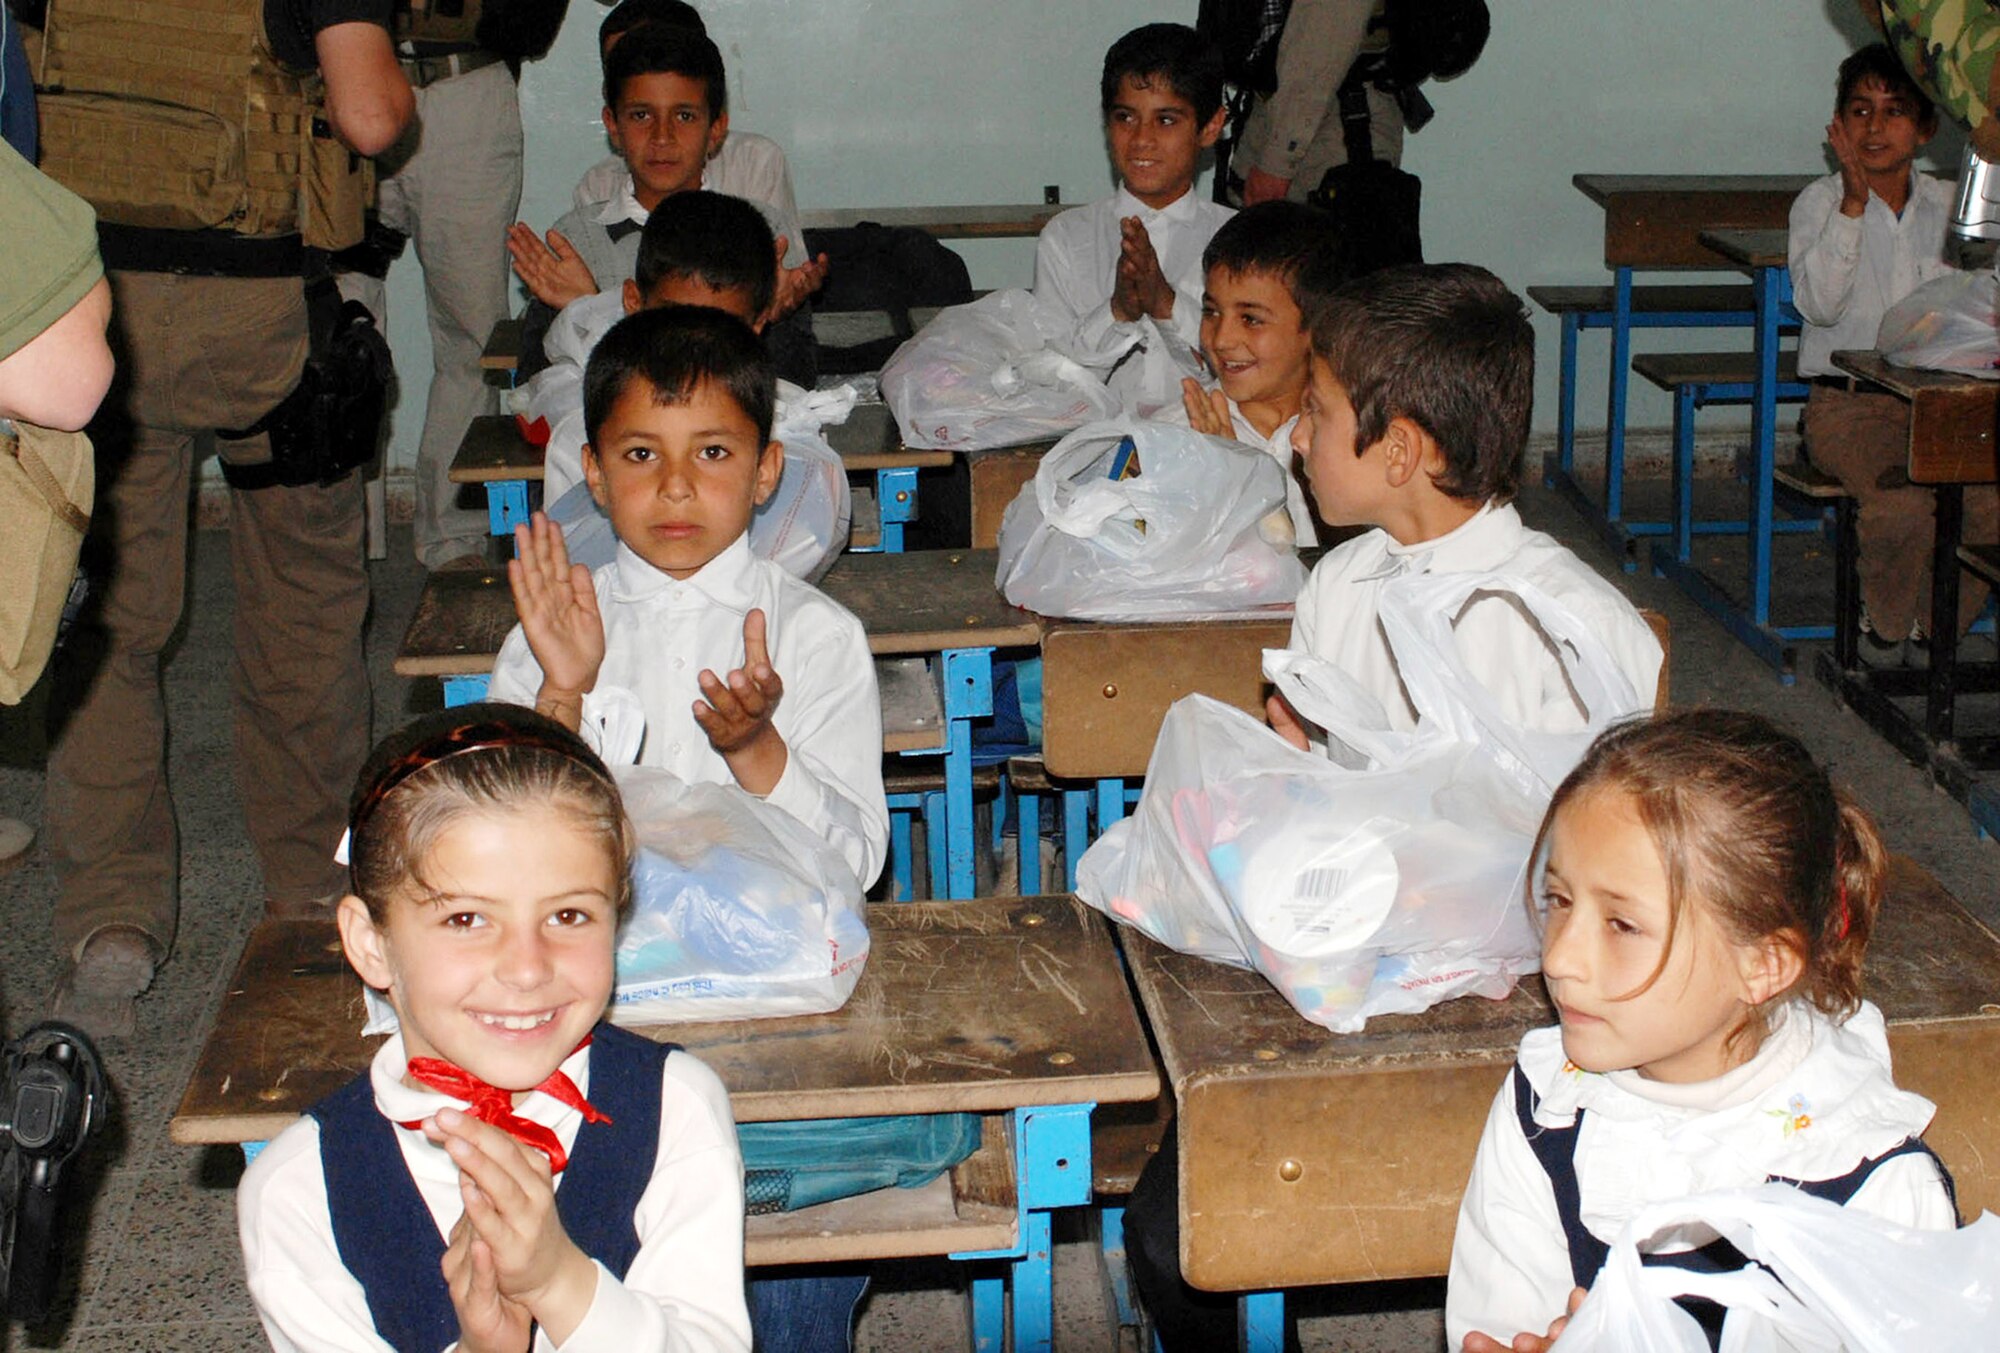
column 491, row 1104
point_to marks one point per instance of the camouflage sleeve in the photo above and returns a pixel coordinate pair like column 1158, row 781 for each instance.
column 1952, row 49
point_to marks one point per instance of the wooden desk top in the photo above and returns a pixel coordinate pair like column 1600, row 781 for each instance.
column 462, row 618
column 1656, row 220
column 977, row 1006
column 1309, row 1157
column 1007, row 220
column 503, row 346
column 1602, row 188
column 924, row 601
column 1952, row 418
column 1751, row 248
column 870, row 440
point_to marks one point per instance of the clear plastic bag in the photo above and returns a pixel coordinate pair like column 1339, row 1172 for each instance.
column 987, row 374
column 739, row 910
column 1384, row 877
column 1199, row 530
column 1948, row 324
column 1834, row 1278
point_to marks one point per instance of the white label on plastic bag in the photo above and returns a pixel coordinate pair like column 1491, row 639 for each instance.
column 1327, row 903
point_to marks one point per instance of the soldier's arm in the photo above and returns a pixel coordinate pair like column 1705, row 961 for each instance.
column 368, row 100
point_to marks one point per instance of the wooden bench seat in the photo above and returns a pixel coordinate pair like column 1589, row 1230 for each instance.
column 1670, row 299
column 1809, row 481
column 1673, row 370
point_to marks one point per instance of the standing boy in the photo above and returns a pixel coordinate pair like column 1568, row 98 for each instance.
column 1863, row 238
column 1126, row 271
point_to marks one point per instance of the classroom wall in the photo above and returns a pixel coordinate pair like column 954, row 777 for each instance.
column 931, row 101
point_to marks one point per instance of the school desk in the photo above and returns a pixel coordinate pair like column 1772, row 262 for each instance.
column 1309, row 1157
column 494, row 454
column 1653, row 222
column 1952, row 436
column 1010, row 1007
column 980, row 222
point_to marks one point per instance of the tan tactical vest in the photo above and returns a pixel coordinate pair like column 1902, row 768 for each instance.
column 440, row 21
column 174, row 114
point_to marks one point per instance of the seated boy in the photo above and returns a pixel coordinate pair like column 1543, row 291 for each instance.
column 1415, row 423
column 678, row 407
column 1126, row 272
column 1254, row 335
column 1862, row 238
column 665, row 109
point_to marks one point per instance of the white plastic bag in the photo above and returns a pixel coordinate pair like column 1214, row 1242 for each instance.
column 988, row 374
column 1948, row 324
column 740, row 911
column 1384, row 877
column 1199, row 530
column 1839, row 1279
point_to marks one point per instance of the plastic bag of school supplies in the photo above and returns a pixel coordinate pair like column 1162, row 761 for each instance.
column 738, row 910
column 1136, row 520
column 1832, row 1278
column 989, row 374
column 1949, row 324
column 1384, row 876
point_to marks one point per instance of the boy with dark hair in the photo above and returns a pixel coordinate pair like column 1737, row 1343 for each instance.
column 1254, row 335
column 1862, row 238
column 678, row 407
column 1125, row 272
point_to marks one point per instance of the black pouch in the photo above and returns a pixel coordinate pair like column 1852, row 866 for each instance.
column 1376, row 207
column 331, row 422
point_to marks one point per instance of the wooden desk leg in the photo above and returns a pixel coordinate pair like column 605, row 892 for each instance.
column 1052, row 1164
column 1942, row 688
column 968, row 695
column 896, row 497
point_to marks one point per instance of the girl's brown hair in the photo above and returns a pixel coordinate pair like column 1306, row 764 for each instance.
column 1745, row 819
column 473, row 758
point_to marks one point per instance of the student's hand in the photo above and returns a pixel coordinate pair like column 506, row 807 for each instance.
column 794, row 284
column 510, row 1205
column 1525, row 1342
column 1285, row 721
column 1141, row 287
column 1259, row 186
column 487, row 1321
column 558, row 609
column 1207, row 410
column 553, row 272
column 738, row 709
column 1853, row 178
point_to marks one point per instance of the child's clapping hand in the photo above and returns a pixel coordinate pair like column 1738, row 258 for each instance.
column 552, row 270
column 487, row 1321
column 557, row 605
column 1853, row 178
column 510, row 1209
column 1207, row 410
column 737, row 713
column 794, row 284
column 1141, row 287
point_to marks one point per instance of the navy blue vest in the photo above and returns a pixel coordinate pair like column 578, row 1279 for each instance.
column 387, row 1238
column 1555, row 1148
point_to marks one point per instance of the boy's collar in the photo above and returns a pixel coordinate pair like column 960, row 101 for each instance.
column 1489, row 533
column 723, row 580
column 623, row 204
column 1182, row 208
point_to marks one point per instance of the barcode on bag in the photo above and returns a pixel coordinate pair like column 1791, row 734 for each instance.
column 1317, row 885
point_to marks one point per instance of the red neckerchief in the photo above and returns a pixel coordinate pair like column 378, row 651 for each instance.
column 490, row 1104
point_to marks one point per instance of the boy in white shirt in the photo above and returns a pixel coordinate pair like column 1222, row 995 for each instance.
column 678, row 406
column 1863, row 238
column 1254, row 335
column 1415, row 423
column 1127, row 270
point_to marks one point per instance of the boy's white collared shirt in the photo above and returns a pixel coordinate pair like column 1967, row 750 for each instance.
column 622, row 205
column 1847, row 271
column 1279, row 446
column 682, row 1294
column 660, row 633
column 1076, row 268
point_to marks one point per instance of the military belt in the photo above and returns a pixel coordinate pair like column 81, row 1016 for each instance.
column 429, row 70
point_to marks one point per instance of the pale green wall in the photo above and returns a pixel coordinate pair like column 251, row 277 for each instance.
column 926, row 101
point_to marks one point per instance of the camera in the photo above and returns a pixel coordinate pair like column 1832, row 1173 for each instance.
column 53, row 1099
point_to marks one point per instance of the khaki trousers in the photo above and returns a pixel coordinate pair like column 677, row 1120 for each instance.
column 1863, row 440
column 195, row 354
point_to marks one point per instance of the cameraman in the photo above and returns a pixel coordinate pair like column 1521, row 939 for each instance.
column 210, row 323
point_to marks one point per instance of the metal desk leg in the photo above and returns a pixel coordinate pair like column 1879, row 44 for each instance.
column 896, row 496
column 506, row 505
column 1621, row 377
column 1941, row 691
column 1110, row 804
column 1261, row 1322
column 1572, row 329
column 464, row 690
column 1684, row 408
column 1052, row 1168
column 1773, row 286
column 968, row 695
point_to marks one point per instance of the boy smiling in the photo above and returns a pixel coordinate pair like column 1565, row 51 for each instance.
column 1126, row 271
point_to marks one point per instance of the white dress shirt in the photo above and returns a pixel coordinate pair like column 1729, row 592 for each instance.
column 1279, row 445
column 682, row 1294
column 754, row 171
column 1076, row 267
column 1816, row 1101
column 660, row 634
column 1847, row 271
column 1335, row 619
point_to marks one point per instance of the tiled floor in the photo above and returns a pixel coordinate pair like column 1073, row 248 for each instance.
column 154, row 1259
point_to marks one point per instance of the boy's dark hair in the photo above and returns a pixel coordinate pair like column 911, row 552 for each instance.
column 627, row 15
column 1189, row 64
column 1447, row 346
column 675, row 349
column 662, row 49
column 1877, row 63
column 1279, row 239
column 714, row 238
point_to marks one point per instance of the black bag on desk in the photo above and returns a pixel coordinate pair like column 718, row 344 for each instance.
column 1375, row 206
column 891, row 269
